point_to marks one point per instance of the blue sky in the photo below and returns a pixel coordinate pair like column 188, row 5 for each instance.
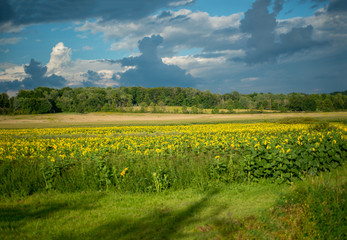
column 277, row 46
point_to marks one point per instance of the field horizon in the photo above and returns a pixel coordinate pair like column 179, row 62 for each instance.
column 123, row 119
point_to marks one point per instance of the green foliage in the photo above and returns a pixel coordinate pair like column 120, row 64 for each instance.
column 219, row 170
column 302, row 156
column 215, row 111
column 161, row 180
column 95, row 99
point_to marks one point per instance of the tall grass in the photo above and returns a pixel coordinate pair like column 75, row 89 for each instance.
column 312, row 209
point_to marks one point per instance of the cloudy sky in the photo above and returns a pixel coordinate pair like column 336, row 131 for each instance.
column 277, row 46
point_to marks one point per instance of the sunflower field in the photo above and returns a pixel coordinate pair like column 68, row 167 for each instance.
column 157, row 158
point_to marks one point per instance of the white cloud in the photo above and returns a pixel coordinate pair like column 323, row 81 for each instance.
column 180, row 29
column 249, row 79
column 7, row 41
column 60, row 59
column 61, row 64
column 9, row 27
column 75, row 72
column 11, row 72
column 4, row 50
column 81, row 36
column 180, row 3
column 87, row 48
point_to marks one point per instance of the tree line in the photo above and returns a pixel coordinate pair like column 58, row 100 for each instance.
column 140, row 99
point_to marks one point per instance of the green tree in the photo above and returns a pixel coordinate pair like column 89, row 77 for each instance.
column 4, row 101
column 327, row 105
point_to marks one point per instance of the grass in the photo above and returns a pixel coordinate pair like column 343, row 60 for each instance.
column 311, row 209
column 107, row 215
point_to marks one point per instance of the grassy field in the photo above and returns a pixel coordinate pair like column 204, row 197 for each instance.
column 94, row 215
column 312, row 209
column 173, row 176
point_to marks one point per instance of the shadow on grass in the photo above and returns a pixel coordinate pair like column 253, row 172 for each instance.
column 162, row 223
column 12, row 219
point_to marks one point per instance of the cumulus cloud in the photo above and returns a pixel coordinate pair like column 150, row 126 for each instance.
column 37, row 78
column 104, row 78
column 92, row 79
column 148, row 69
column 263, row 44
column 25, row 12
column 182, row 29
column 60, row 71
column 11, row 72
column 80, row 72
column 60, row 59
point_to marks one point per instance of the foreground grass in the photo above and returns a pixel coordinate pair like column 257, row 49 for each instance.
column 184, row 214
column 312, row 209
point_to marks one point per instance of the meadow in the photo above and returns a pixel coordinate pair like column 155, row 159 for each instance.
column 194, row 181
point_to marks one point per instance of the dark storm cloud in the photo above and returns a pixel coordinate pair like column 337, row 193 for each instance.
column 37, row 79
column 262, row 45
column 6, row 12
column 92, row 76
column 337, row 6
column 333, row 5
column 92, row 79
column 297, row 39
column 150, row 71
column 34, row 11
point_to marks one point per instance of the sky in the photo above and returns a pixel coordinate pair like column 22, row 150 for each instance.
column 277, row 46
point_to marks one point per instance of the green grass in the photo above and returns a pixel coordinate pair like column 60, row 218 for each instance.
column 108, row 215
column 311, row 209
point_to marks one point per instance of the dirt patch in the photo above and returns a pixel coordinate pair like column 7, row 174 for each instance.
column 51, row 120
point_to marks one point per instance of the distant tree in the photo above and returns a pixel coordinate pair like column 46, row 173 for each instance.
column 245, row 102
column 309, row 103
column 194, row 110
column 4, row 101
column 339, row 101
column 296, row 102
column 327, row 105
column 143, row 108
column 43, row 105
column 215, row 111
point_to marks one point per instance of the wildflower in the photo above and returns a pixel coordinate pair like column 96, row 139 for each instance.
column 217, row 157
column 52, row 159
column 122, row 173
